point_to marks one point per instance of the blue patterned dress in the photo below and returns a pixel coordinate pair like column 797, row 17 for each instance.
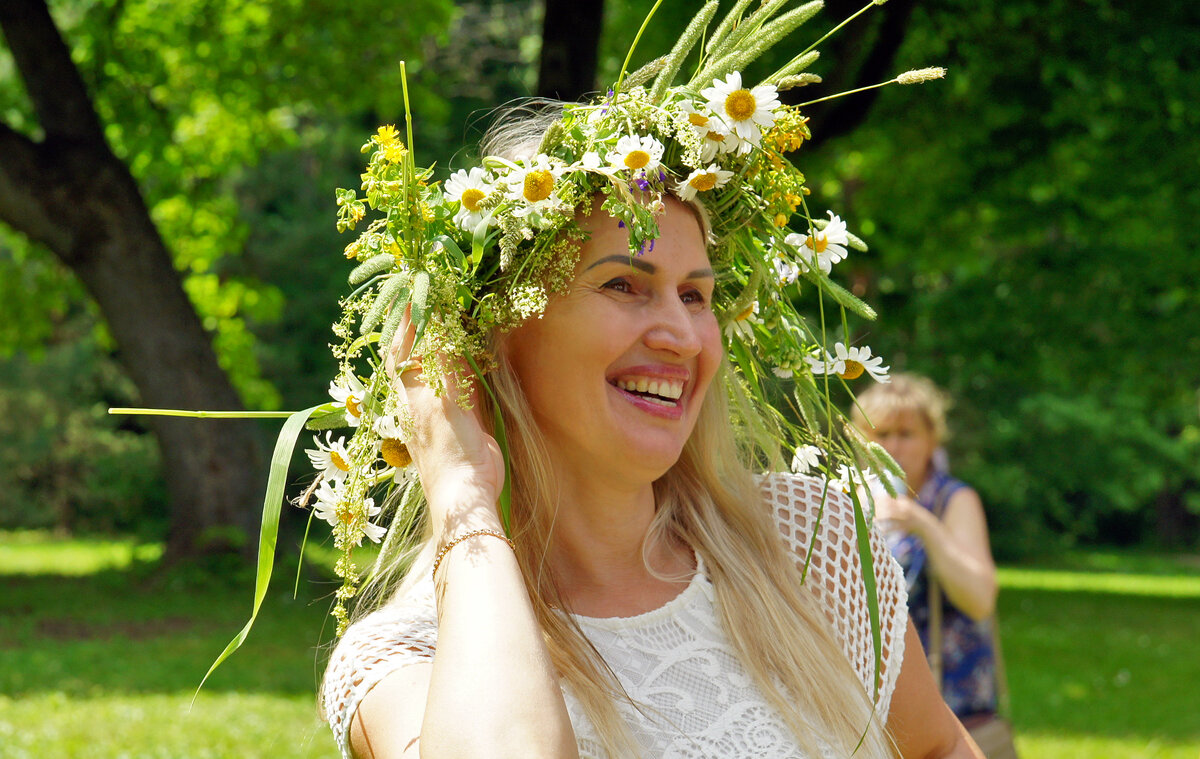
column 968, row 666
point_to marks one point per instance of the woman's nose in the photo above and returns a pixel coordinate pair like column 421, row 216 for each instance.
column 673, row 328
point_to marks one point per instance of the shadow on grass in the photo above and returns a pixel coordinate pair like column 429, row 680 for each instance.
column 135, row 631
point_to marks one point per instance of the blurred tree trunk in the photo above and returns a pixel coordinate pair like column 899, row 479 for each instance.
column 70, row 193
column 570, row 48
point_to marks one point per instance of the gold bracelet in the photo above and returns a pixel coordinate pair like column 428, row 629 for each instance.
column 473, row 534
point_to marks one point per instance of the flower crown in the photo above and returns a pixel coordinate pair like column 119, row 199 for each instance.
column 486, row 250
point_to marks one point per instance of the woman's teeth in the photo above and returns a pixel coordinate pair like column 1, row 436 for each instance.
column 663, row 388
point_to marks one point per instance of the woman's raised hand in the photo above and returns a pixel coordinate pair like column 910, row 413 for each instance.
column 459, row 463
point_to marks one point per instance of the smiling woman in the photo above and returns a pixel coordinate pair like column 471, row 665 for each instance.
column 574, row 340
column 656, row 598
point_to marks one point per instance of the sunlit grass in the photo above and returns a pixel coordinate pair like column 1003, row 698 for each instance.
column 100, row 657
column 26, row 552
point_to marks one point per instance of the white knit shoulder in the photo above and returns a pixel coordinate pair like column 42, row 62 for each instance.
column 695, row 698
column 402, row 632
column 835, row 575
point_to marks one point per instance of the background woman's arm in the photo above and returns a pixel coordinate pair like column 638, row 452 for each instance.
column 960, row 554
column 957, row 546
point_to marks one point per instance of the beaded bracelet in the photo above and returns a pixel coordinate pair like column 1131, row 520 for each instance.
column 473, row 534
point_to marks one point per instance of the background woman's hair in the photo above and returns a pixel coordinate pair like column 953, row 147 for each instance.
column 906, row 392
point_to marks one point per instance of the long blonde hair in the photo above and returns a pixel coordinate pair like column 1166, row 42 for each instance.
column 710, row 500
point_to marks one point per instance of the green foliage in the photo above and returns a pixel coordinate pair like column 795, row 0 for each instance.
column 1032, row 250
column 65, row 463
column 192, row 93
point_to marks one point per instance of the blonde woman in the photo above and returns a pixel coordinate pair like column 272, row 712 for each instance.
column 652, row 600
column 937, row 530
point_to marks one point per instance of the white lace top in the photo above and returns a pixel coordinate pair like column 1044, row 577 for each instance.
column 675, row 661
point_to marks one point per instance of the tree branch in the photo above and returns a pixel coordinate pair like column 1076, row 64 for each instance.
column 21, row 170
column 52, row 81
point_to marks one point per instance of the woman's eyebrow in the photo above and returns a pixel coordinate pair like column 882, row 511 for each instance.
column 646, row 266
column 633, row 261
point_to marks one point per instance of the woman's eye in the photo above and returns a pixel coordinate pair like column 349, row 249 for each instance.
column 693, row 297
column 619, row 285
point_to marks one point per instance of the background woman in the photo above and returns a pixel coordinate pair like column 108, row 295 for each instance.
column 937, row 531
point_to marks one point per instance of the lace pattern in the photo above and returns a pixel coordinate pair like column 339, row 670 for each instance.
column 675, row 662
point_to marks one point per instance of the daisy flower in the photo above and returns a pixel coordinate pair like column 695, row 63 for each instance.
column 636, row 154
column 745, row 113
column 741, row 327
column 850, row 363
column 332, row 508
column 330, row 458
column 806, row 459
column 392, row 448
column 591, row 161
column 702, row 180
column 846, row 479
column 349, row 393
column 714, row 136
column 859, row 360
column 825, row 364
column 826, row 246
column 469, row 189
column 786, row 271
column 533, row 185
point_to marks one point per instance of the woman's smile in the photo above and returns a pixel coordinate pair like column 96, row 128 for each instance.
column 656, row 390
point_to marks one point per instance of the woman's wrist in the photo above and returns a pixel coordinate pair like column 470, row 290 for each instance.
column 461, row 509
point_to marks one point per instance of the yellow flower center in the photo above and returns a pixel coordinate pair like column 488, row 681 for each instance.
column 636, row 159
column 345, row 515
column 819, row 244
column 704, row 182
column 743, row 316
column 353, row 406
column 697, row 119
column 336, row 459
column 471, row 197
column 395, row 453
column 538, row 185
column 715, row 136
column 740, row 105
column 854, row 370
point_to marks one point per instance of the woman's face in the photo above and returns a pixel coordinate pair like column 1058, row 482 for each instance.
column 617, row 367
column 907, row 436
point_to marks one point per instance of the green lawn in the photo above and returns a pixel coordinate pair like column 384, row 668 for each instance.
column 100, row 660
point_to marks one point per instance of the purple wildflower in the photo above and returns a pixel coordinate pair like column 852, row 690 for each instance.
column 620, row 224
column 642, row 183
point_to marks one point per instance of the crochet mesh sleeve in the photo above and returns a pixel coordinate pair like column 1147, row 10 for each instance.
column 836, row 578
column 400, row 633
